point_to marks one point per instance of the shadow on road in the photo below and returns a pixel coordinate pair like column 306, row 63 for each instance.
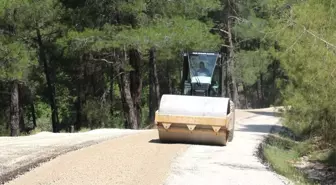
column 258, row 128
column 264, row 113
column 241, row 166
column 157, row 141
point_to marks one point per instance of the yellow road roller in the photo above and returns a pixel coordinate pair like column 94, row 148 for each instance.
column 199, row 115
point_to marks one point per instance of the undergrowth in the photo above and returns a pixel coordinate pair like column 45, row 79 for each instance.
column 282, row 150
column 281, row 153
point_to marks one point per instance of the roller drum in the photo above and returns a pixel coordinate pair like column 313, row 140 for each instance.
column 193, row 119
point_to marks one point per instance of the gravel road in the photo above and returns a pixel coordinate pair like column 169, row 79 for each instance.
column 139, row 159
column 18, row 154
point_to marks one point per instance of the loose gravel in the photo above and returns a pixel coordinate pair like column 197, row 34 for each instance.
column 136, row 159
column 19, row 154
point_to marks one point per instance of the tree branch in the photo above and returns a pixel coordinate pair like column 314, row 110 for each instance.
column 102, row 60
column 290, row 47
column 227, row 46
column 323, row 40
column 224, row 31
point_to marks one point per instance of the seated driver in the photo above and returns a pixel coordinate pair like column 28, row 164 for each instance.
column 202, row 69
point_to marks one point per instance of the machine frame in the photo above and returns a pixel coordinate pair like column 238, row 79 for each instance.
column 203, row 125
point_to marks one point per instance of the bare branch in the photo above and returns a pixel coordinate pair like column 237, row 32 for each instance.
column 323, row 40
column 224, row 31
column 238, row 18
column 296, row 41
column 102, row 60
column 227, row 46
column 118, row 75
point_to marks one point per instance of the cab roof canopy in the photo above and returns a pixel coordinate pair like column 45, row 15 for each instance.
column 201, row 53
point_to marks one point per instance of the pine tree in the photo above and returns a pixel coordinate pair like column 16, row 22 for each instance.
column 15, row 61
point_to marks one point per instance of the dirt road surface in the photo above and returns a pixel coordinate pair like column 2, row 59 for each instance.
column 139, row 159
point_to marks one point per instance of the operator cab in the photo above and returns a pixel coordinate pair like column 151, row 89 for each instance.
column 201, row 74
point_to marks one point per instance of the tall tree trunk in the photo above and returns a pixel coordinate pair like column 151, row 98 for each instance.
column 262, row 90
column 15, row 110
column 274, row 88
column 85, row 91
column 21, row 110
column 227, row 31
column 111, row 90
column 151, row 96
column 79, row 106
column 51, row 91
column 169, row 80
column 128, row 105
column 129, row 108
column 222, row 77
column 156, row 80
column 231, row 64
column 79, row 102
column 22, row 122
column 33, row 114
column 136, row 84
column 154, row 88
column 227, row 81
column 258, row 94
column 93, row 81
column 7, row 111
column 123, row 100
column 246, row 96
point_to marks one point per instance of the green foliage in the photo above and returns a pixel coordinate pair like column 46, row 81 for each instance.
column 170, row 34
column 43, row 116
column 40, row 14
column 308, row 57
column 97, row 113
column 279, row 160
column 4, row 131
column 185, row 8
column 76, row 43
column 15, row 60
column 251, row 64
column 251, row 28
column 164, row 34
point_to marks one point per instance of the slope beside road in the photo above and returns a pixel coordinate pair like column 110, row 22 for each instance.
column 139, row 159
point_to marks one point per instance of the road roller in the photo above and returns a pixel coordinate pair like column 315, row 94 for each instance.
column 199, row 114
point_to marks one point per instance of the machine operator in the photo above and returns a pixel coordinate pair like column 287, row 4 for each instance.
column 202, row 69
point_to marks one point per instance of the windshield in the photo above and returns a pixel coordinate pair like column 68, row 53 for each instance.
column 202, row 66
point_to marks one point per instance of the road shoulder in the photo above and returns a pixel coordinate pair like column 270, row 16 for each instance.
column 22, row 154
